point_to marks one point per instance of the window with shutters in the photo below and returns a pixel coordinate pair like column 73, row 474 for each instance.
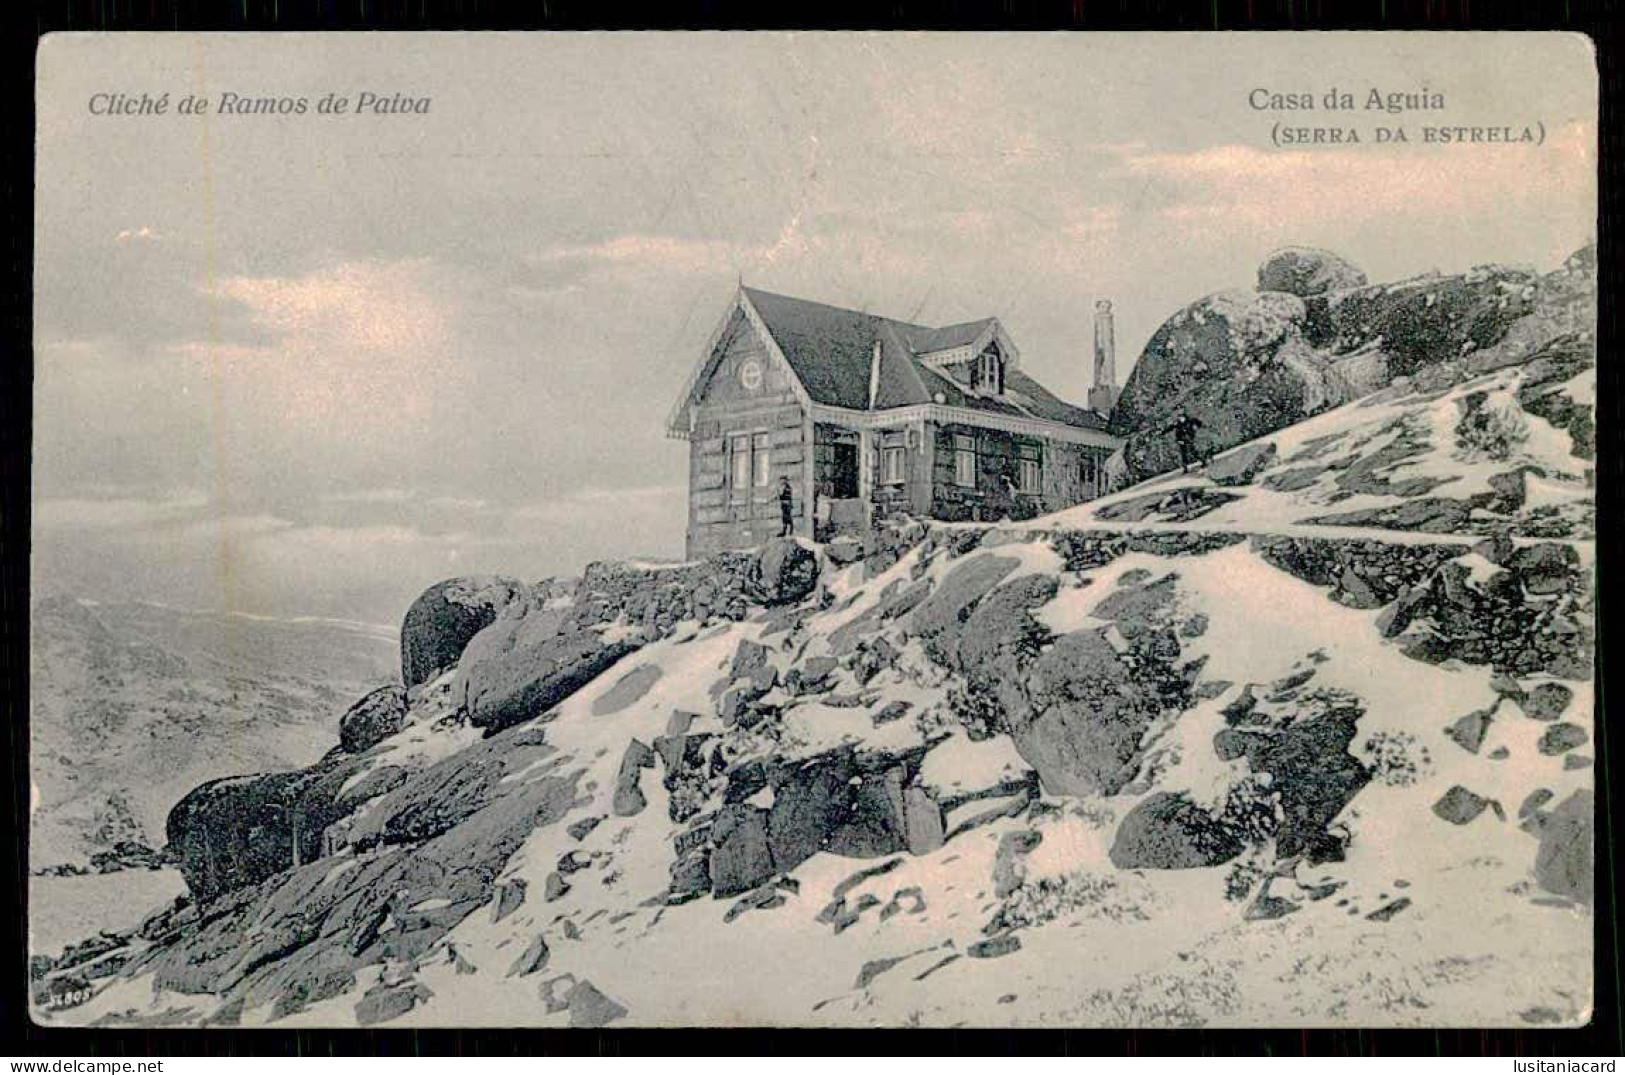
column 892, row 463
column 759, row 448
column 739, row 466
column 1030, row 460
column 965, row 460
column 989, row 373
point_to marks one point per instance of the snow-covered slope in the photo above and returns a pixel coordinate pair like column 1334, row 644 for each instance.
column 1304, row 738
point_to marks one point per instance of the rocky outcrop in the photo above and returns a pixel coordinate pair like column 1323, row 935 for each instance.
column 1306, row 271
column 1301, row 744
column 526, row 667
column 856, row 804
column 1244, row 364
column 375, row 718
column 441, row 622
column 1538, row 600
column 1423, row 321
column 439, row 843
column 519, row 652
column 239, row 831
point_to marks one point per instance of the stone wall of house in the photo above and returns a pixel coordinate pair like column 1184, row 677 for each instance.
column 998, row 472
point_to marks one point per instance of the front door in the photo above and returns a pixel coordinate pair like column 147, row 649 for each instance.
column 844, row 472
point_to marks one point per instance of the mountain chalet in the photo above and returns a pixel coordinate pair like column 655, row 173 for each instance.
column 870, row 418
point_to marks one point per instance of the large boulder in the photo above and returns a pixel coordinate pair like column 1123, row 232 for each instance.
column 526, row 663
column 238, row 831
column 438, row 846
column 373, row 719
column 1237, row 362
column 1304, row 271
column 939, row 620
column 1089, row 712
column 786, row 571
column 445, row 617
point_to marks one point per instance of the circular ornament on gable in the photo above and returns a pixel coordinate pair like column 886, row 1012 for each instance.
column 750, row 375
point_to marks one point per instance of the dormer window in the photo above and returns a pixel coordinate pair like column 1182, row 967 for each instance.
column 988, row 375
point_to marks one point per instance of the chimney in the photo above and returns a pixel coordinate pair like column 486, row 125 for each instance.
column 1103, row 396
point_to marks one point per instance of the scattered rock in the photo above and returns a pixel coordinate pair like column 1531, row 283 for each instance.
column 891, row 711
column 1533, row 802
column 533, row 959
column 844, row 550
column 629, row 800
column 1460, row 806
column 626, row 690
column 994, row 947
column 555, row 887
column 1562, row 738
column 1165, row 831
column 909, row 900
column 579, row 830
column 589, row 1007
column 1468, row 732
column 1389, row 910
column 765, row 898
column 382, row 1003
column 785, row 572
column 1547, row 701
column 510, row 896
column 555, row 993
column 1009, row 867
column 1241, row 466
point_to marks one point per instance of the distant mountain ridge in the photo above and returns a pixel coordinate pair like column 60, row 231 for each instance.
column 133, row 703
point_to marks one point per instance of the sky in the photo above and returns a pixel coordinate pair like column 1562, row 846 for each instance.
column 310, row 364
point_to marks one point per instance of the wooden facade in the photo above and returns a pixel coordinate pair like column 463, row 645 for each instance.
column 748, row 410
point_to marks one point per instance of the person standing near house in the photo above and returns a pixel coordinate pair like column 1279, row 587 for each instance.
column 787, row 508
column 1184, row 431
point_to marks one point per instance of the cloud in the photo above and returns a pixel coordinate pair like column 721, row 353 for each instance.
column 354, row 349
column 368, row 496
column 116, row 512
column 361, row 306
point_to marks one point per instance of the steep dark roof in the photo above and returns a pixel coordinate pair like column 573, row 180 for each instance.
column 831, row 350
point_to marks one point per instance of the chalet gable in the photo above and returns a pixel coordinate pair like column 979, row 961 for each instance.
column 743, row 351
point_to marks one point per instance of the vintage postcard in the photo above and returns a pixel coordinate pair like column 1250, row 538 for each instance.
column 814, row 529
